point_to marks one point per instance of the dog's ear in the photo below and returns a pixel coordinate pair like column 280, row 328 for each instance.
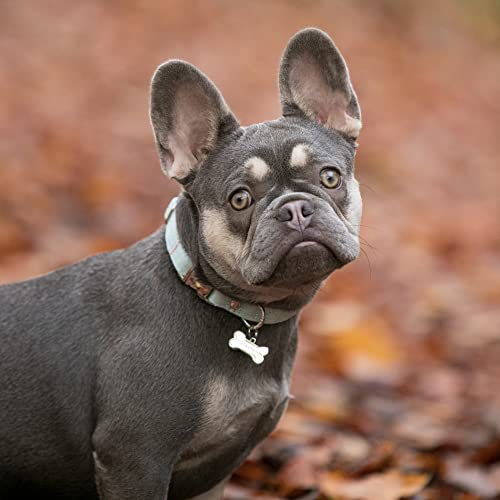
column 314, row 80
column 189, row 116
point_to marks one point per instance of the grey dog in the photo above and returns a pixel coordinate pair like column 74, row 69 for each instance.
column 138, row 374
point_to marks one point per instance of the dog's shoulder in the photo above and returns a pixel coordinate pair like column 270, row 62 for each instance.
column 93, row 273
column 88, row 293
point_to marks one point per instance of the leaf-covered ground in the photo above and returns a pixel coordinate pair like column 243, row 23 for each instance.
column 397, row 380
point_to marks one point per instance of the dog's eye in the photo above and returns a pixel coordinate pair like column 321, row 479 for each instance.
column 240, row 199
column 330, row 178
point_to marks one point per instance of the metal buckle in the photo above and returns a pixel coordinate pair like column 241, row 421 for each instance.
column 255, row 328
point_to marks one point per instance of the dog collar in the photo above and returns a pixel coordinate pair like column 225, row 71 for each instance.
column 185, row 269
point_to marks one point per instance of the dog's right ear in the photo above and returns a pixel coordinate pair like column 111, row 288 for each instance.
column 314, row 81
column 188, row 115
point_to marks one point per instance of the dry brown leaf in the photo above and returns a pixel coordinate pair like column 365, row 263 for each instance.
column 423, row 431
column 440, row 492
column 299, row 427
column 472, row 478
column 389, row 485
column 252, row 470
column 487, row 454
column 300, row 472
column 349, row 450
column 411, row 460
column 13, row 239
column 367, row 351
column 379, row 458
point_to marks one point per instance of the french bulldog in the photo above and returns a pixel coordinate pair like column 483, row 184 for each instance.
column 136, row 375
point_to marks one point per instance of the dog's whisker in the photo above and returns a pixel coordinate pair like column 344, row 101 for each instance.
column 365, row 225
column 369, row 188
column 367, row 244
column 368, row 259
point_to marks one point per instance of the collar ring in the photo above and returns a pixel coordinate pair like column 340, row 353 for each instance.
column 259, row 325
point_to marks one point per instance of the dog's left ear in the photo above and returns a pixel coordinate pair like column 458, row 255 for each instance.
column 314, row 80
column 189, row 117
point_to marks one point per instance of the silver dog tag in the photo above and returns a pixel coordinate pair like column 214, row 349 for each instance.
column 240, row 342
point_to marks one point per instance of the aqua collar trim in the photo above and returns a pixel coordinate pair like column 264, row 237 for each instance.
column 184, row 267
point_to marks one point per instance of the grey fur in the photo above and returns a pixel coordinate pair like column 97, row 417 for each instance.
column 115, row 377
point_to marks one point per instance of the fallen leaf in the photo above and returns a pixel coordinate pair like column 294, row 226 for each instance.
column 487, row 454
column 349, row 450
column 472, row 478
column 252, row 471
column 389, row 485
column 423, row 431
column 367, row 351
column 379, row 458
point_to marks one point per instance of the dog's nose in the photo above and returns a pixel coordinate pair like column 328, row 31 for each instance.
column 296, row 214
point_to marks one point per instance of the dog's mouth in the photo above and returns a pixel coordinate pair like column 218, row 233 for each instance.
column 303, row 258
column 312, row 243
column 304, row 249
column 306, row 243
column 305, row 262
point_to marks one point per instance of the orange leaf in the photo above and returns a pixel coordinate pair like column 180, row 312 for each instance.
column 389, row 485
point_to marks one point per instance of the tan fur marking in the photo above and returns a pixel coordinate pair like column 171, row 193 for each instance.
column 220, row 239
column 355, row 208
column 227, row 413
column 300, row 155
column 257, row 167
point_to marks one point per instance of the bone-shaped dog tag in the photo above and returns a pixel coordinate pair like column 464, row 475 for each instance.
column 256, row 352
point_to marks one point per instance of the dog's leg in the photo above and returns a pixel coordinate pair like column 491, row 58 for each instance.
column 215, row 493
column 131, row 476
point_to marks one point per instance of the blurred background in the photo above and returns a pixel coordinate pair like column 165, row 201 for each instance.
column 396, row 386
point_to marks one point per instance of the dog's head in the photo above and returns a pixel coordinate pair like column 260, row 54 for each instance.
column 278, row 204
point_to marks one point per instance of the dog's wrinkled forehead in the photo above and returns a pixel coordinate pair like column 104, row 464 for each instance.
column 273, row 154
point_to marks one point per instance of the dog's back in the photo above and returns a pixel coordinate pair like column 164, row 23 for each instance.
column 47, row 363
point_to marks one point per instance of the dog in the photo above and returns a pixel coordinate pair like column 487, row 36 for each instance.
column 152, row 372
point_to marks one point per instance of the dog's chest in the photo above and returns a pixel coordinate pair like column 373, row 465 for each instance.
column 237, row 414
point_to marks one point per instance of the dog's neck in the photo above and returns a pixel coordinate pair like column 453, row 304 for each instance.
column 188, row 227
